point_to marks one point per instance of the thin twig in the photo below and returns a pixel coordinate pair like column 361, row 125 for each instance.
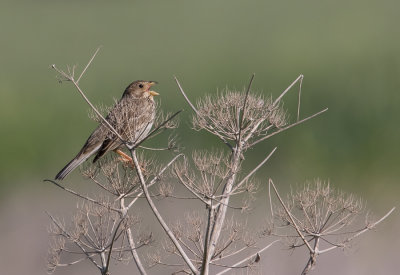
column 223, row 257
column 242, row 114
column 248, row 258
column 81, row 196
column 288, row 127
column 368, row 227
column 254, row 170
column 270, row 200
column 190, row 189
column 88, row 64
column 71, row 78
column 153, row 131
column 154, row 149
column 185, row 96
column 286, row 90
column 299, row 98
column 113, row 239
column 291, row 217
column 153, row 181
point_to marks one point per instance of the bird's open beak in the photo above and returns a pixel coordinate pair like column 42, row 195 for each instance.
column 152, row 93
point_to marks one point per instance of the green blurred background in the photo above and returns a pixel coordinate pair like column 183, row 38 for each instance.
column 348, row 52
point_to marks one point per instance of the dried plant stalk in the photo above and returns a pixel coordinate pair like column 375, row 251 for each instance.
column 211, row 240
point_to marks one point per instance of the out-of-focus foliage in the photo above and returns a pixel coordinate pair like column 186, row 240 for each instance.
column 348, row 52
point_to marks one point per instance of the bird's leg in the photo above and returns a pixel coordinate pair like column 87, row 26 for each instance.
column 125, row 158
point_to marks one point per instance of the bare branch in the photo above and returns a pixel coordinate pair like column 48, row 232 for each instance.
column 81, row 196
column 71, row 78
column 206, row 256
column 190, row 189
column 153, row 181
column 159, row 217
column 88, row 64
column 254, row 170
column 153, row 131
column 288, row 127
column 299, row 99
column 242, row 114
column 132, row 244
column 367, row 228
column 114, row 237
column 185, row 96
column 286, row 90
column 291, row 217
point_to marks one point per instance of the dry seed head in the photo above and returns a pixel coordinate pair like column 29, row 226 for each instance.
column 214, row 163
column 194, row 226
column 165, row 189
column 213, row 169
column 57, row 245
column 319, row 210
column 225, row 114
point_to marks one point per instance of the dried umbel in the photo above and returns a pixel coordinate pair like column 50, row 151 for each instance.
column 235, row 115
column 235, row 240
column 321, row 209
column 319, row 218
column 213, row 170
column 96, row 233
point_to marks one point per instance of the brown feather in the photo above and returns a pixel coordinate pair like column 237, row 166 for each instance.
column 132, row 117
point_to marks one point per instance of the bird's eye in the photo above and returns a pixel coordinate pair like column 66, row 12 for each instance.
column 140, row 85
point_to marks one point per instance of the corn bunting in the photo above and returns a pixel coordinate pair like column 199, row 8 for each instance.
column 132, row 117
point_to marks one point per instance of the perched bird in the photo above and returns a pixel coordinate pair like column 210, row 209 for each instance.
column 132, row 117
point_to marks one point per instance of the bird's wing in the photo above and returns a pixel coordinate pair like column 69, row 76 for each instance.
column 107, row 145
column 132, row 119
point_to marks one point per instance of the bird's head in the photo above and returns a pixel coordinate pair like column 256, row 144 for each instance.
column 141, row 89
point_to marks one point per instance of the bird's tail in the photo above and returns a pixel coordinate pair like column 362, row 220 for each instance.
column 70, row 166
column 80, row 158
